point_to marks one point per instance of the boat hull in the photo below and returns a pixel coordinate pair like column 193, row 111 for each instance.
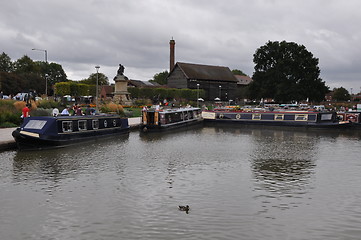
column 160, row 128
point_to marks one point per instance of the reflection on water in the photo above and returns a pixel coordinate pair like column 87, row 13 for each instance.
column 240, row 183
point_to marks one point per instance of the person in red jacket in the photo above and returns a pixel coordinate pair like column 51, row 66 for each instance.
column 26, row 111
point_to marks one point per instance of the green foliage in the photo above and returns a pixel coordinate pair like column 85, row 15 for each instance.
column 9, row 114
column 92, row 79
column 49, row 104
column 25, row 74
column 25, row 65
column 162, row 93
column 160, row 78
column 62, row 88
column 341, row 94
column 6, row 64
column 286, row 71
column 53, row 72
column 238, row 72
column 74, row 89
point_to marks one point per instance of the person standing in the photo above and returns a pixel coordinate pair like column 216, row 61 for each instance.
column 26, row 111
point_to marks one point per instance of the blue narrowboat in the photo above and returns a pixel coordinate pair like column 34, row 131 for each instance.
column 61, row 131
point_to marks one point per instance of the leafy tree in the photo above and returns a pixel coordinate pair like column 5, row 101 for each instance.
column 92, row 79
column 52, row 71
column 238, row 72
column 6, row 64
column 341, row 94
column 25, row 65
column 160, row 78
column 286, row 71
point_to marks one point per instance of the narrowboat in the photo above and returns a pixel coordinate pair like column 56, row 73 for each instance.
column 279, row 117
column 61, row 131
column 159, row 120
column 353, row 117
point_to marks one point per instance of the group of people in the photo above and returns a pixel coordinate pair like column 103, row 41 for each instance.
column 78, row 111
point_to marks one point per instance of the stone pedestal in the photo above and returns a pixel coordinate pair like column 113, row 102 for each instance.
column 121, row 94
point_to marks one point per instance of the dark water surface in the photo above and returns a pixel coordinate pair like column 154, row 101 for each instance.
column 244, row 183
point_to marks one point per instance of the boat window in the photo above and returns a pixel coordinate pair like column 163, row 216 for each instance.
column 279, row 117
column 95, row 124
column 301, row 117
column 35, row 124
column 325, row 117
column 67, row 126
column 190, row 115
column 82, row 125
column 256, row 116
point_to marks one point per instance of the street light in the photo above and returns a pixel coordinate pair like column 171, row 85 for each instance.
column 220, row 92
column 46, row 61
column 197, row 94
column 96, row 91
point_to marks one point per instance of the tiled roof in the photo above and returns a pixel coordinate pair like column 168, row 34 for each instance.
column 243, row 80
column 206, row 72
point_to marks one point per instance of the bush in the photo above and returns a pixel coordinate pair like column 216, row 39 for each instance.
column 10, row 115
column 47, row 104
column 112, row 108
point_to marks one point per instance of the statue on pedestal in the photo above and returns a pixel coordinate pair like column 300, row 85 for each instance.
column 121, row 94
column 121, row 69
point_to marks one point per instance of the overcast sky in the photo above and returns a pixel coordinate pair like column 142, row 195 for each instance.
column 136, row 33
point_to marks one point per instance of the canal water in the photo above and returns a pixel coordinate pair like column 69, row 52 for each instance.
column 240, row 183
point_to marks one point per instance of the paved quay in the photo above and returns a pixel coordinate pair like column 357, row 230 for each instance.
column 7, row 141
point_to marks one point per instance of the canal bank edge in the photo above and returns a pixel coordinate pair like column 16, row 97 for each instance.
column 7, row 141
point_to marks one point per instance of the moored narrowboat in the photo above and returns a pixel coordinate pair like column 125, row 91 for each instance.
column 353, row 117
column 60, row 131
column 276, row 118
column 159, row 120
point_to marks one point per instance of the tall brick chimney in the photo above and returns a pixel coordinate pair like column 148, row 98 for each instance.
column 171, row 57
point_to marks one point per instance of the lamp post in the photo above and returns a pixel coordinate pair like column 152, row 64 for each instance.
column 46, row 61
column 220, row 92
column 197, row 94
column 96, row 91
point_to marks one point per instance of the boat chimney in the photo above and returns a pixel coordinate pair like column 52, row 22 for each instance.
column 171, row 57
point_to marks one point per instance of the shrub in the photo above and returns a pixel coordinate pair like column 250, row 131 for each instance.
column 112, row 107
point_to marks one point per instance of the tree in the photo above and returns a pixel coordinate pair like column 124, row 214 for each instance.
column 53, row 71
column 238, row 72
column 6, row 64
column 25, row 65
column 286, row 71
column 92, row 79
column 160, row 78
column 341, row 94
